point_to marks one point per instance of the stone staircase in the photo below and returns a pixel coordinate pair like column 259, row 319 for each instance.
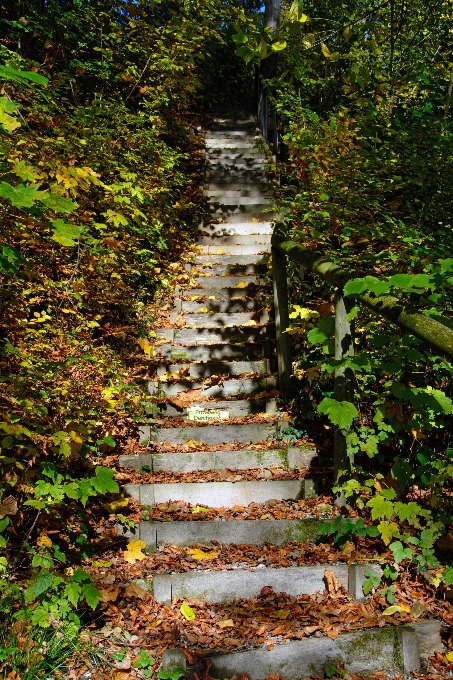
column 226, row 352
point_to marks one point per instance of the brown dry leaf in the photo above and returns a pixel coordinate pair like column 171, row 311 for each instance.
column 332, row 582
column 109, row 594
column 282, row 613
column 133, row 590
column 124, row 665
column 8, row 507
column 227, row 623
column 279, row 630
column 193, row 445
column 348, row 549
column 333, row 634
column 185, row 398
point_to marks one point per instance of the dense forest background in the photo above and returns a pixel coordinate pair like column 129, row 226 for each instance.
column 99, row 110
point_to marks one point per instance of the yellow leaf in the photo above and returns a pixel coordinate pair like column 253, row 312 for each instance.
column 198, row 554
column 303, row 18
column 145, row 345
column 116, row 505
column 193, row 444
column 154, row 624
column 187, row 612
column 202, row 310
column 199, row 508
column 133, row 553
column 194, row 297
column 449, row 656
column 76, row 437
column 211, row 297
column 242, row 284
column 220, row 251
column 392, row 610
column 325, row 50
column 251, row 323
column 227, row 623
column 44, row 541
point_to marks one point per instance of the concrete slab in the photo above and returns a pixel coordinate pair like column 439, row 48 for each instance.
column 232, row 248
column 221, row 307
column 224, row 241
column 232, row 269
column 211, row 336
column 231, row 368
column 225, row 282
column 232, row 259
column 227, row 586
column 217, row 434
column 240, row 228
column 219, row 320
column 240, row 532
column 237, row 407
column 362, row 652
column 217, row 494
column 250, row 292
column 214, row 352
column 229, row 388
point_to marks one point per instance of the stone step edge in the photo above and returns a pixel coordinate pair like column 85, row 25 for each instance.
column 293, row 459
column 185, row 533
column 390, row 649
column 234, row 493
column 225, row 586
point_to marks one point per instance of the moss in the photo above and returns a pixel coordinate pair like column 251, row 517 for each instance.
column 365, row 647
column 174, row 356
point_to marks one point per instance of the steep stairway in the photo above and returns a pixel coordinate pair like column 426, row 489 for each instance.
column 216, row 410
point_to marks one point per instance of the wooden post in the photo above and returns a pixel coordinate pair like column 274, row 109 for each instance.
column 344, row 378
column 275, row 134
column 281, row 305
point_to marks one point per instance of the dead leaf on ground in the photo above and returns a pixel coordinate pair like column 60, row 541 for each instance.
column 134, row 553
column 133, row 590
column 332, row 582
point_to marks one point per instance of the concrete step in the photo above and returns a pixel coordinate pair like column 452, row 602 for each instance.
column 231, row 260
column 244, row 228
column 212, row 282
column 238, row 248
column 227, row 320
column 237, row 408
column 236, row 239
column 238, row 193
column 227, row 586
column 232, row 269
column 223, row 352
column 389, row 650
column 234, row 184
column 217, row 494
column 223, row 293
column 229, row 388
column 241, row 201
column 249, row 216
column 221, row 307
column 240, row 532
column 214, row 174
column 216, row 434
column 294, row 458
column 211, row 336
column 218, row 368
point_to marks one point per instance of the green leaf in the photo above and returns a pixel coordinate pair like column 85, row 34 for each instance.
column 400, row 553
column 447, row 575
column 369, row 283
column 144, row 660
column 73, row 592
column 58, row 203
column 380, row 507
column 9, row 73
column 21, row 196
column 42, row 583
column 340, row 413
column 8, row 123
column 388, row 530
column 279, row 45
column 66, row 234
column 91, row 595
column 240, row 38
column 103, row 482
column 323, row 330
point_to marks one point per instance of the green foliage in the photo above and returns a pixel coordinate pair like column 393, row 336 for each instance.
column 145, row 662
column 340, row 413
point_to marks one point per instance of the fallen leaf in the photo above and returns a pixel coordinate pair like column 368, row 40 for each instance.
column 133, row 590
column 250, row 323
column 282, row 613
column 109, row 594
column 145, row 345
column 392, row 610
column 449, row 657
column 211, row 297
column 44, row 541
column 187, row 612
column 202, row 310
column 332, row 582
column 199, row 508
column 8, row 507
column 133, row 552
column 227, row 623
column 242, row 284
column 198, row 554
column 123, row 665
column 418, row 609
column 333, row 634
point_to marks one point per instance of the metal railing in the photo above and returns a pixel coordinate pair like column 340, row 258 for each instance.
column 271, row 124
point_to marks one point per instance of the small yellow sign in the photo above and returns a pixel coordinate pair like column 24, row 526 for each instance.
column 201, row 415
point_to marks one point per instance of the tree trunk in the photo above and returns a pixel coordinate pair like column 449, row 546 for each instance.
column 271, row 21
